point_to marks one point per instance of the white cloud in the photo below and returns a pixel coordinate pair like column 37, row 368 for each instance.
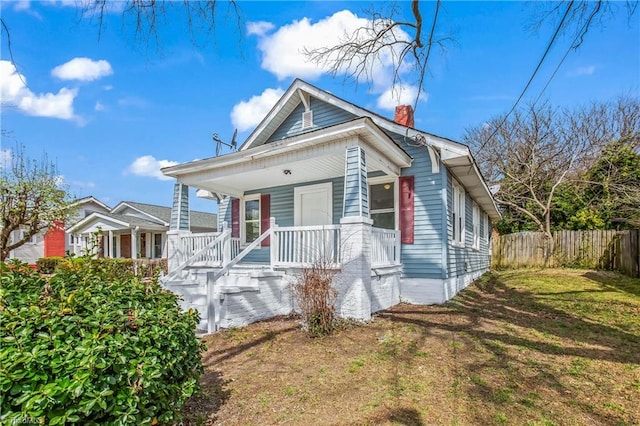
column 147, row 165
column 248, row 114
column 64, row 3
column 259, row 28
column 99, row 106
column 25, row 6
column 400, row 95
column 83, row 69
column 14, row 92
column 283, row 50
column 59, row 105
column 588, row 70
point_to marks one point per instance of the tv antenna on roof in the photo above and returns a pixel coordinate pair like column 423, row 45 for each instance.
column 219, row 142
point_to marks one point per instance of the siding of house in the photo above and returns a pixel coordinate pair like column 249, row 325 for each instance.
column 324, row 115
column 30, row 251
column 423, row 258
column 54, row 241
column 463, row 260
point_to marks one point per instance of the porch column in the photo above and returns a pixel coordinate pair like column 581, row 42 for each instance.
column 134, row 243
column 354, row 281
column 179, row 226
column 111, row 245
column 180, row 208
column 356, row 190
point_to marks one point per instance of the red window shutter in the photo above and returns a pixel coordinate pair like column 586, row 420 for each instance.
column 406, row 209
column 235, row 218
column 265, row 216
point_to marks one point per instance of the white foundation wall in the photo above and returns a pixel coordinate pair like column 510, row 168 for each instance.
column 247, row 299
column 269, row 297
column 427, row 291
column 384, row 291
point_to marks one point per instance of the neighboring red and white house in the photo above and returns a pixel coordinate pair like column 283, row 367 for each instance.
column 55, row 241
column 132, row 230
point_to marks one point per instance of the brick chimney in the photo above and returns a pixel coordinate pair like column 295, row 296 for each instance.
column 404, row 115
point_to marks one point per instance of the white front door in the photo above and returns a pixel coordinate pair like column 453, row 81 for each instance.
column 313, row 205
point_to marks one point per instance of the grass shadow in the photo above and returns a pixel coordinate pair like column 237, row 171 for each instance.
column 615, row 282
column 528, row 340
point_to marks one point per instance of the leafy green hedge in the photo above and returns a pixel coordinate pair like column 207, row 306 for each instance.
column 46, row 265
column 85, row 348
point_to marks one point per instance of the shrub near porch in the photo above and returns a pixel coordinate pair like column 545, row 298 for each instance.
column 90, row 348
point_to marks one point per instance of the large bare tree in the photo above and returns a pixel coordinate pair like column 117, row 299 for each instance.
column 539, row 148
column 32, row 199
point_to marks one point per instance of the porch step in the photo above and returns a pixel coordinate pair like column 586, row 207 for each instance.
column 251, row 269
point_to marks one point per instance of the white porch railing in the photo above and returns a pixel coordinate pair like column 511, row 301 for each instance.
column 194, row 243
column 290, row 247
column 300, row 246
column 385, row 247
column 209, row 253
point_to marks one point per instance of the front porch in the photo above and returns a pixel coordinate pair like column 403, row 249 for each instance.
column 212, row 274
column 330, row 197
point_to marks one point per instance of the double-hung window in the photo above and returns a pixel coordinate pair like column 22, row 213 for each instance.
column 382, row 205
column 251, row 218
column 457, row 216
column 157, row 246
column 476, row 226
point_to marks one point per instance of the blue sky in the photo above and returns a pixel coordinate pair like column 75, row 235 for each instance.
column 110, row 110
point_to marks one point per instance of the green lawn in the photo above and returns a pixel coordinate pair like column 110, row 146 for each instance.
column 525, row 347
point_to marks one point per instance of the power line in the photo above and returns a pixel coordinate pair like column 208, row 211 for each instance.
column 555, row 35
column 571, row 46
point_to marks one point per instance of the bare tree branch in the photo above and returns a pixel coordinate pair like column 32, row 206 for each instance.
column 382, row 42
column 539, row 149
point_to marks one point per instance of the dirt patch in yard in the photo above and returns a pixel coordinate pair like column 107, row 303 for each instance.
column 518, row 347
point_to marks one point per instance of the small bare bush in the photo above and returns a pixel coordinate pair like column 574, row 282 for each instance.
column 316, row 298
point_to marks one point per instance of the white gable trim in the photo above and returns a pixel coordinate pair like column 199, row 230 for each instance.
column 124, row 204
column 93, row 216
column 88, row 200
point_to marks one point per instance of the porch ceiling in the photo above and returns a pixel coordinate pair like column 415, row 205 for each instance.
column 310, row 157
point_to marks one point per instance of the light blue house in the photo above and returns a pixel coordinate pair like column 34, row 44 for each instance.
column 402, row 215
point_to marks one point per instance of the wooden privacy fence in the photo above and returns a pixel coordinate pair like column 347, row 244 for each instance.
column 610, row 250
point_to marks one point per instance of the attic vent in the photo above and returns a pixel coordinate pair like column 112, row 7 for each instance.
column 307, row 119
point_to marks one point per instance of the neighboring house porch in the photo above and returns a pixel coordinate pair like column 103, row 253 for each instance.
column 131, row 230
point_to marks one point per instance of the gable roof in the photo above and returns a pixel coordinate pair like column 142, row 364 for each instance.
column 163, row 214
column 455, row 155
column 90, row 199
column 153, row 217
column 293, row 97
